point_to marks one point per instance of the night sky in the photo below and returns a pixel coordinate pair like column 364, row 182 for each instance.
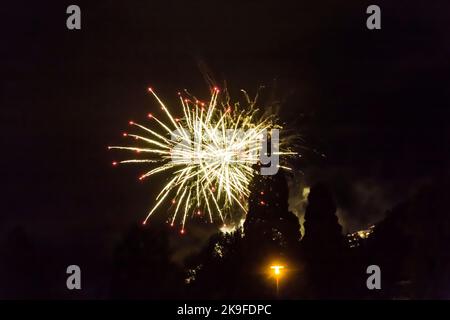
column 374, row 103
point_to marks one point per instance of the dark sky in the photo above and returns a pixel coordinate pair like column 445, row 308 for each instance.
column 376, row 103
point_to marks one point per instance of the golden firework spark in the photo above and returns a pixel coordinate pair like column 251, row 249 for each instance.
column 209, row 152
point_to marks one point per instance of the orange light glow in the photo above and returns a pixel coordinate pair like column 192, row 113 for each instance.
column 277, row 269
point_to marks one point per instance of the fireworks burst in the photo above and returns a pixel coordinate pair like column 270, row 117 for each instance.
column 209, row 151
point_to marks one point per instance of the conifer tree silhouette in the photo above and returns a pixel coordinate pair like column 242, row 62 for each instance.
column 269, row 220
column 323, row 247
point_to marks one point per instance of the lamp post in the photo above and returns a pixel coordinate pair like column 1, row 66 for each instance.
column 276, row 269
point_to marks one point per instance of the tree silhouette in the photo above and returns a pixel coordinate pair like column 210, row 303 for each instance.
column 216, row 272
column 411, row 246
column 142, row 265
column 269, row 225
column 22, row 270
column 323, row 246
column 322, row 229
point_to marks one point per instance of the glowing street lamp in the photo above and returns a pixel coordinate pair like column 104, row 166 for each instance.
column 276, row 269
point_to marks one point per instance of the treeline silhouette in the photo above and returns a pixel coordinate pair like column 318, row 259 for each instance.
column 410, row 246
